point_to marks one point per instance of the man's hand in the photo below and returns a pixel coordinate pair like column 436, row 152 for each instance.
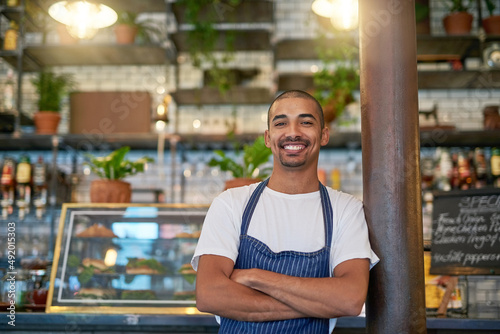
column 267, row 295
column 218, row 294
column 328, row 297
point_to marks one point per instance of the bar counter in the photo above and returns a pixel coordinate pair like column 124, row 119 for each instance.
column 26, row 322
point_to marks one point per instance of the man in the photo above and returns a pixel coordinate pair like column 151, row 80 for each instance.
column 287, row 255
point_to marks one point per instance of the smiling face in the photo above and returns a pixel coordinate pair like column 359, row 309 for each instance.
column 295, row 133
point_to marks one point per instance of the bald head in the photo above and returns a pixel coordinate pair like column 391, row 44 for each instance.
column 301, row 95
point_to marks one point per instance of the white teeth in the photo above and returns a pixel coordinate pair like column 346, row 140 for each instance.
column 294, row 147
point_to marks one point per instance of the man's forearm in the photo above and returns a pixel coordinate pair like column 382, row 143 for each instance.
column 216, row 293
column 238, row 302
column 327, row 297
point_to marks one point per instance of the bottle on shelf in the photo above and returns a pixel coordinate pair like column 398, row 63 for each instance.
column 10, row 37
column 427, row 166
column 464, row 171
column 495, row 166
column 480, row 167
column 7, row 185
column 335, row 179
column 9, row 90
column 23, row 185
column 444, row 170
column 40, row 186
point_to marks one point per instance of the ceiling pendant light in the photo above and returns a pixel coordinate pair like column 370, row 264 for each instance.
column 322, row 8
column 83, row 18
column 343, row 14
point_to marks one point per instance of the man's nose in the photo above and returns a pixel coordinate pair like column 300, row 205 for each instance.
column 293, row 130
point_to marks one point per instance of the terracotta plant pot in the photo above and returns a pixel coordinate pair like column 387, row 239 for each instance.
column 240, row 182
column 491, row 25
column 125, row 34
column 459, row 23
column 46, row 122
column 110, row 191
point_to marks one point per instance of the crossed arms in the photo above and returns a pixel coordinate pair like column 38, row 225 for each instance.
column 260, row 295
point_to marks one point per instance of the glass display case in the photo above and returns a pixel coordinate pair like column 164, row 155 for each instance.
column 125, row 258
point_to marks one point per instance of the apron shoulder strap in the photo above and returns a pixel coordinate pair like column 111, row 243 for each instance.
column 249, row 209
column 327, row 215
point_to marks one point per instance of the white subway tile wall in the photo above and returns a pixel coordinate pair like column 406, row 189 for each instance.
column 484, row 296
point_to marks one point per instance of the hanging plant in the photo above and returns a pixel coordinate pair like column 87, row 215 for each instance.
column 335, row 82
column 203, row 37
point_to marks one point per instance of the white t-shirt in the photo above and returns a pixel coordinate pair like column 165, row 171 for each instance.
column 286, row 222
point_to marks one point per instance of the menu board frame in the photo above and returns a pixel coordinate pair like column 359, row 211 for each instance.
column 466, row 232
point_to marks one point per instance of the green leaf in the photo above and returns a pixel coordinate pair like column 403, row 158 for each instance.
column 253, row 156
column 114, row 166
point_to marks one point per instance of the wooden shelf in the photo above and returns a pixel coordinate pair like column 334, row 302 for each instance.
column 211, row 96
column 302, row 81
column 81, row 143
column 256, row 11
column 426, row 80
column 455, row 138
column 88, row 54
column 458, row 79
column 244, row 40
column 301, row 49
column 142, row 6
column 464, row 46
column 339, row 140
column 15, row 13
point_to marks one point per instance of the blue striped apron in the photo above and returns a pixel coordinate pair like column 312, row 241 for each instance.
column 255, row 254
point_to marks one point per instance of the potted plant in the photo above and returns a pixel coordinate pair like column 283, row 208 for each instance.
column 459, row 20
column 491, row 24
column 112, row 169
column 51, row 89
column 128, row 28
column 422, row 17
column 244, row 170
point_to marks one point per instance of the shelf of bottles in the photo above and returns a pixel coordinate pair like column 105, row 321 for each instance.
column 22, row 188
column 454, row 169
column 26, row 206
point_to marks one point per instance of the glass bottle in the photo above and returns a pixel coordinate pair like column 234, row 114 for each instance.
column 427, row 166
column 23, row 187
column 7, row 185
column 495, row 166
column 40, row 186
column 464, row 171
column 10, row 37
column 480, row 167
column 445, row 167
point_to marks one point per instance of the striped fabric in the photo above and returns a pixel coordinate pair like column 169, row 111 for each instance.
column 255, row 254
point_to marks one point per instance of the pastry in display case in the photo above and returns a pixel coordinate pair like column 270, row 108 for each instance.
column 125, row 258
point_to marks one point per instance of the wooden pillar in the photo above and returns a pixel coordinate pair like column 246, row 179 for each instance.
column 391, row 177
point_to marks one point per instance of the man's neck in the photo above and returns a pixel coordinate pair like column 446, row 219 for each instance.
column 294, row 183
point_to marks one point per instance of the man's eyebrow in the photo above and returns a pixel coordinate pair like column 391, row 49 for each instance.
column 307, row 115
column 279, row 117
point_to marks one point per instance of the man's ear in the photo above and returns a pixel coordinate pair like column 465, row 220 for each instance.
column 325, row 136
column 266, row 139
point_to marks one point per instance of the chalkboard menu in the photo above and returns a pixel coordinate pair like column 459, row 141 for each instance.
column 466, row 233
